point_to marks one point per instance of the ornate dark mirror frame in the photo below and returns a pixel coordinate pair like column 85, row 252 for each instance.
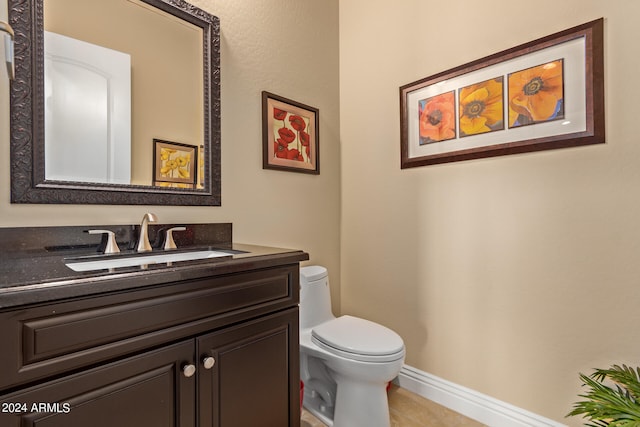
column 28, row 183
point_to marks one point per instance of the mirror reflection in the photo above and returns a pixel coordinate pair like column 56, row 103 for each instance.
column 119, row 76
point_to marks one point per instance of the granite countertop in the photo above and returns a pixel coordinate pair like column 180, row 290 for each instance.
column 34, row 275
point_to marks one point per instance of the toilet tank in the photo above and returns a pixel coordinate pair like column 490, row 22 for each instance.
column 315, row 296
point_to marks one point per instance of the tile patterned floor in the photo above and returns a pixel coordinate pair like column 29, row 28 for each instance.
column 410, row 410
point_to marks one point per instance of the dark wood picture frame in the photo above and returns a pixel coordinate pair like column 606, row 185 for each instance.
column 578, row 118
column 290, row 135
column 27, row 153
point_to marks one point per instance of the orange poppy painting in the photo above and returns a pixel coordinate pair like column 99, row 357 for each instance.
column 437, row 118
column 536, row 94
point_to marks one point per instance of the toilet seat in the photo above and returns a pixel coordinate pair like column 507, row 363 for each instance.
column 358, row 339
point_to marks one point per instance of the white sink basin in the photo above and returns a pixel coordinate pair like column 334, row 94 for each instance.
column 159, row 258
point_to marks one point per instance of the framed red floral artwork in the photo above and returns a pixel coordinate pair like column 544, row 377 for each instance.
column 542, row 95
column 290, row 135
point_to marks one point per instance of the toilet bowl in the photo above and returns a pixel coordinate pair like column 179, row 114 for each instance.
column 345, row 362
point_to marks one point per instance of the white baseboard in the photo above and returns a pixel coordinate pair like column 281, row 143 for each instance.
column 482, row 408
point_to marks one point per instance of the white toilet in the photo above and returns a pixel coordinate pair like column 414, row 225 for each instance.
column 345, row 362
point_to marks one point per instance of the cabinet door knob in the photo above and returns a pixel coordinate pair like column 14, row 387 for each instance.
column 188, row 370
column 208, row 362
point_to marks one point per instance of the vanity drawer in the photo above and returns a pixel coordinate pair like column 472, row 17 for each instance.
column 55, row 338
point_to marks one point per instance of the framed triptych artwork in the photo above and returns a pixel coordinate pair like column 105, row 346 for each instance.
column 542, row 95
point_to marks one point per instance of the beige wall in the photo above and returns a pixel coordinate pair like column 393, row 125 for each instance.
column 490, row 269
column 267, row 45
column 506, row 275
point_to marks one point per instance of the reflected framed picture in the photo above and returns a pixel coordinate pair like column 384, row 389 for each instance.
column 174, row 164
column 290, row 140
column 542, row 95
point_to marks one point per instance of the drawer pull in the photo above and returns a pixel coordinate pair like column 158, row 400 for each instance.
column 208, row 362
column 188, row 370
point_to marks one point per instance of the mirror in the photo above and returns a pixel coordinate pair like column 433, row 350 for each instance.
column 170, row 152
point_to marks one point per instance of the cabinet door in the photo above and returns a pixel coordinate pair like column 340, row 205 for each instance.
column 249, row 374
column 145, row 390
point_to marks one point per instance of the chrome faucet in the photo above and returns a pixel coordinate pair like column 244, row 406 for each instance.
column 143, row 238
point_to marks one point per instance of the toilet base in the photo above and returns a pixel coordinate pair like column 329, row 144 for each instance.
column 357, row 404
column 315, row 405
column 361, row 404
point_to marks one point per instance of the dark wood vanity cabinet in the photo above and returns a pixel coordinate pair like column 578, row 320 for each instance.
column 250, row 382
column 143, row 390
column 218, row 351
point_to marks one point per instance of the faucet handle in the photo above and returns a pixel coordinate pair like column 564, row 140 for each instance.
column 111, row 246
column 169, row 243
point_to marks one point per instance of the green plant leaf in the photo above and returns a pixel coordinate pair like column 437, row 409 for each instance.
column 614, row 405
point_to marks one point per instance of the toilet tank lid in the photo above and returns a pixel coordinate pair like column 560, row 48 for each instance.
column 313, row 272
